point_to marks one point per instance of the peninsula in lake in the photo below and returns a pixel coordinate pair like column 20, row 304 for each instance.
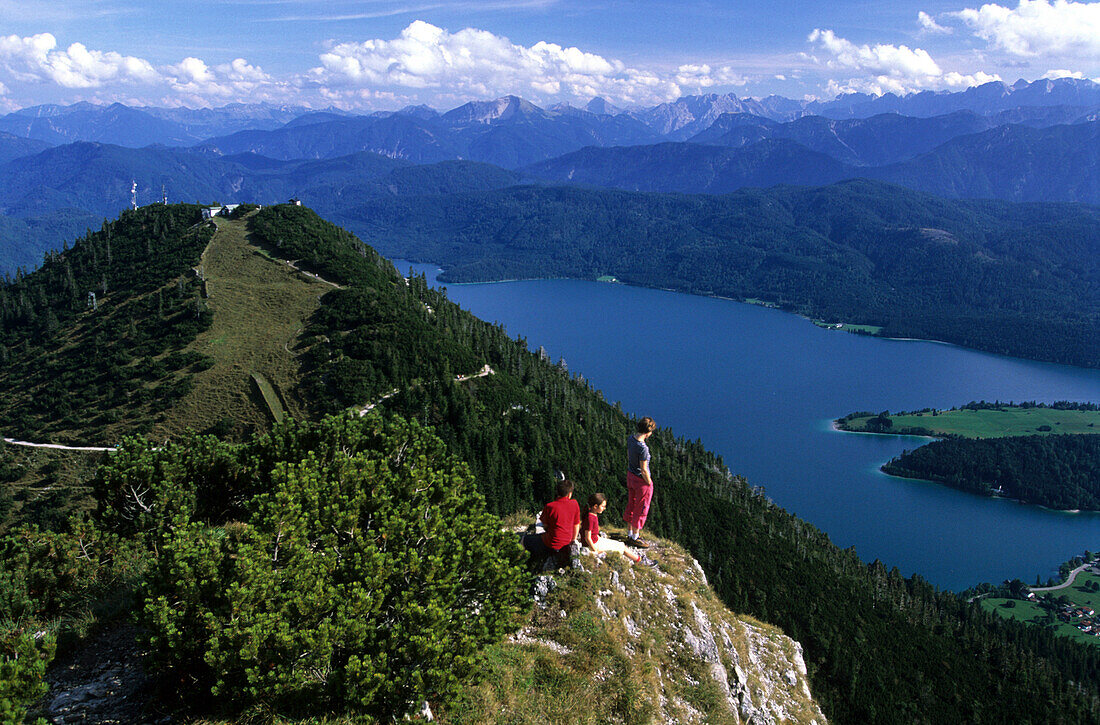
column 1036, row 453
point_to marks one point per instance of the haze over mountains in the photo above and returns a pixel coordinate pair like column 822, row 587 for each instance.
column 1022, row 142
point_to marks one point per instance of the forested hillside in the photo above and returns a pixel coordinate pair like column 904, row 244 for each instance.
column 1017, row 279
column 518, row 426
column 880, row 648
column 92, row 343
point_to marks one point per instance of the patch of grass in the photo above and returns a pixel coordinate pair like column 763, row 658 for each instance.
column 849, row 327
column 260, row 307
column 44, row 486
column 992, row 423
column 1032, row 613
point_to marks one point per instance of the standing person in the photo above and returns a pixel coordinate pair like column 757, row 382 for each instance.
column 639, row 482
column 561, row 522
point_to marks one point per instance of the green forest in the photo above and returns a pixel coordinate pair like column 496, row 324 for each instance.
column 195, row 521
column 92, row 342
column 1058, row 471
column 1017, row 279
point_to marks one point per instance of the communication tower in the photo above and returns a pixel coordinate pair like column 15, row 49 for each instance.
column 133, row 195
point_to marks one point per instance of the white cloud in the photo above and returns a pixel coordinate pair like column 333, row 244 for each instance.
column 36, row 58
column 1051, row 75
column 1038, row 27
column 697, row 76
column 476, row 63
column 928, row 24
column 888, row 68
column 107, row 75
column 236, row 79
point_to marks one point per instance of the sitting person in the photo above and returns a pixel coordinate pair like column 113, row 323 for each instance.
column 561, row 522
column 590, row 532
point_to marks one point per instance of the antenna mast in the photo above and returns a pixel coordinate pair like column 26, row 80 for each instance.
column 133, row 195
column 163, row 195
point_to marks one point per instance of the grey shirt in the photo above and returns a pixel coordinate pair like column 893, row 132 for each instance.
column 636, row 452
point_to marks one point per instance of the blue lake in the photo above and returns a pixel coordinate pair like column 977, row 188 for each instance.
column 760, row 387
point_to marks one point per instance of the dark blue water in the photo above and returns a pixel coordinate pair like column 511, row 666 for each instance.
column 760, row 387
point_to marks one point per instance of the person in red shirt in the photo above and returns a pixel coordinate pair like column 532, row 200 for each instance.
column 561, row 522
column 590, row 531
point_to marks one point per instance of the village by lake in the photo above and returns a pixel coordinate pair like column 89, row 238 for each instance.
column 761, row 388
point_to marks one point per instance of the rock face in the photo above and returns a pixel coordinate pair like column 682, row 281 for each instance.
column 103, row 683
column 705, row 663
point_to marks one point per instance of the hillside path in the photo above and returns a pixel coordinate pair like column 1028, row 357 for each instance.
column 58, row 446
column 293, row 263
column 485, row 370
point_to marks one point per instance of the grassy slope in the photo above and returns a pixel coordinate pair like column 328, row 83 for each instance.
column 260, row 306
column 45, row 486
column 1032, row 613
column 1008, row 421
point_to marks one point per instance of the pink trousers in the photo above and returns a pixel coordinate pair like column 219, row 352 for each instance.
column 638, row 495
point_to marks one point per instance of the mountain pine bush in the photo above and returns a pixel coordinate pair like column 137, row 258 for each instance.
column 363, row 572
column 23, row 661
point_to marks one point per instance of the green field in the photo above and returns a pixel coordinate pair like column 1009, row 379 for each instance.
column 260, row 307
column 992, row 423
column 1032, row 613
column 849, row 327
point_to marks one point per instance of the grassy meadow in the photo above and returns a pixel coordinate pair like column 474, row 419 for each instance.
column 990, row 423
column 260, row 307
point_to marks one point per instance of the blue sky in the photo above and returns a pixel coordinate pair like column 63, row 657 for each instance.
column 383, row 54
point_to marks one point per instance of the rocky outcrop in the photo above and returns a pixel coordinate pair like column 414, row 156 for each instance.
column 703, row 663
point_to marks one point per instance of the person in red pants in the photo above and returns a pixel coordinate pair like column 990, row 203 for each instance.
column 639, row 482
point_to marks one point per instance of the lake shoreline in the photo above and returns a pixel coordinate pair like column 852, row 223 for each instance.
column 761, row 389
column 766, row 305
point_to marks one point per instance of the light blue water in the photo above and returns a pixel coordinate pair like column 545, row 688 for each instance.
column 760, row 388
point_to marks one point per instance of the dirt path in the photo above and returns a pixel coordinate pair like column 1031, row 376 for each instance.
column 293, row 263
column 485, row 370
column 58, row 446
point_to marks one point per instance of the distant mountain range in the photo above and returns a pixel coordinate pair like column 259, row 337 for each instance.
column 508, row 132
column 1024, row 142
column 1016, row 163
column 1043, row 102
column 137, row 127
column 98, row 177
column 878, row 140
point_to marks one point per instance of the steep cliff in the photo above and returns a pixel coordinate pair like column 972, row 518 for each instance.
column 610, row 641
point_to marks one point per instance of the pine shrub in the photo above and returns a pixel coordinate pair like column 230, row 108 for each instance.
column 363, row 572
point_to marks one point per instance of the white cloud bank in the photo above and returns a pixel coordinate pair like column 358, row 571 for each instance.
column 1038, row 27
column 472, row 63
column 37, row 60
column 424, row 63
column 888, row 68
